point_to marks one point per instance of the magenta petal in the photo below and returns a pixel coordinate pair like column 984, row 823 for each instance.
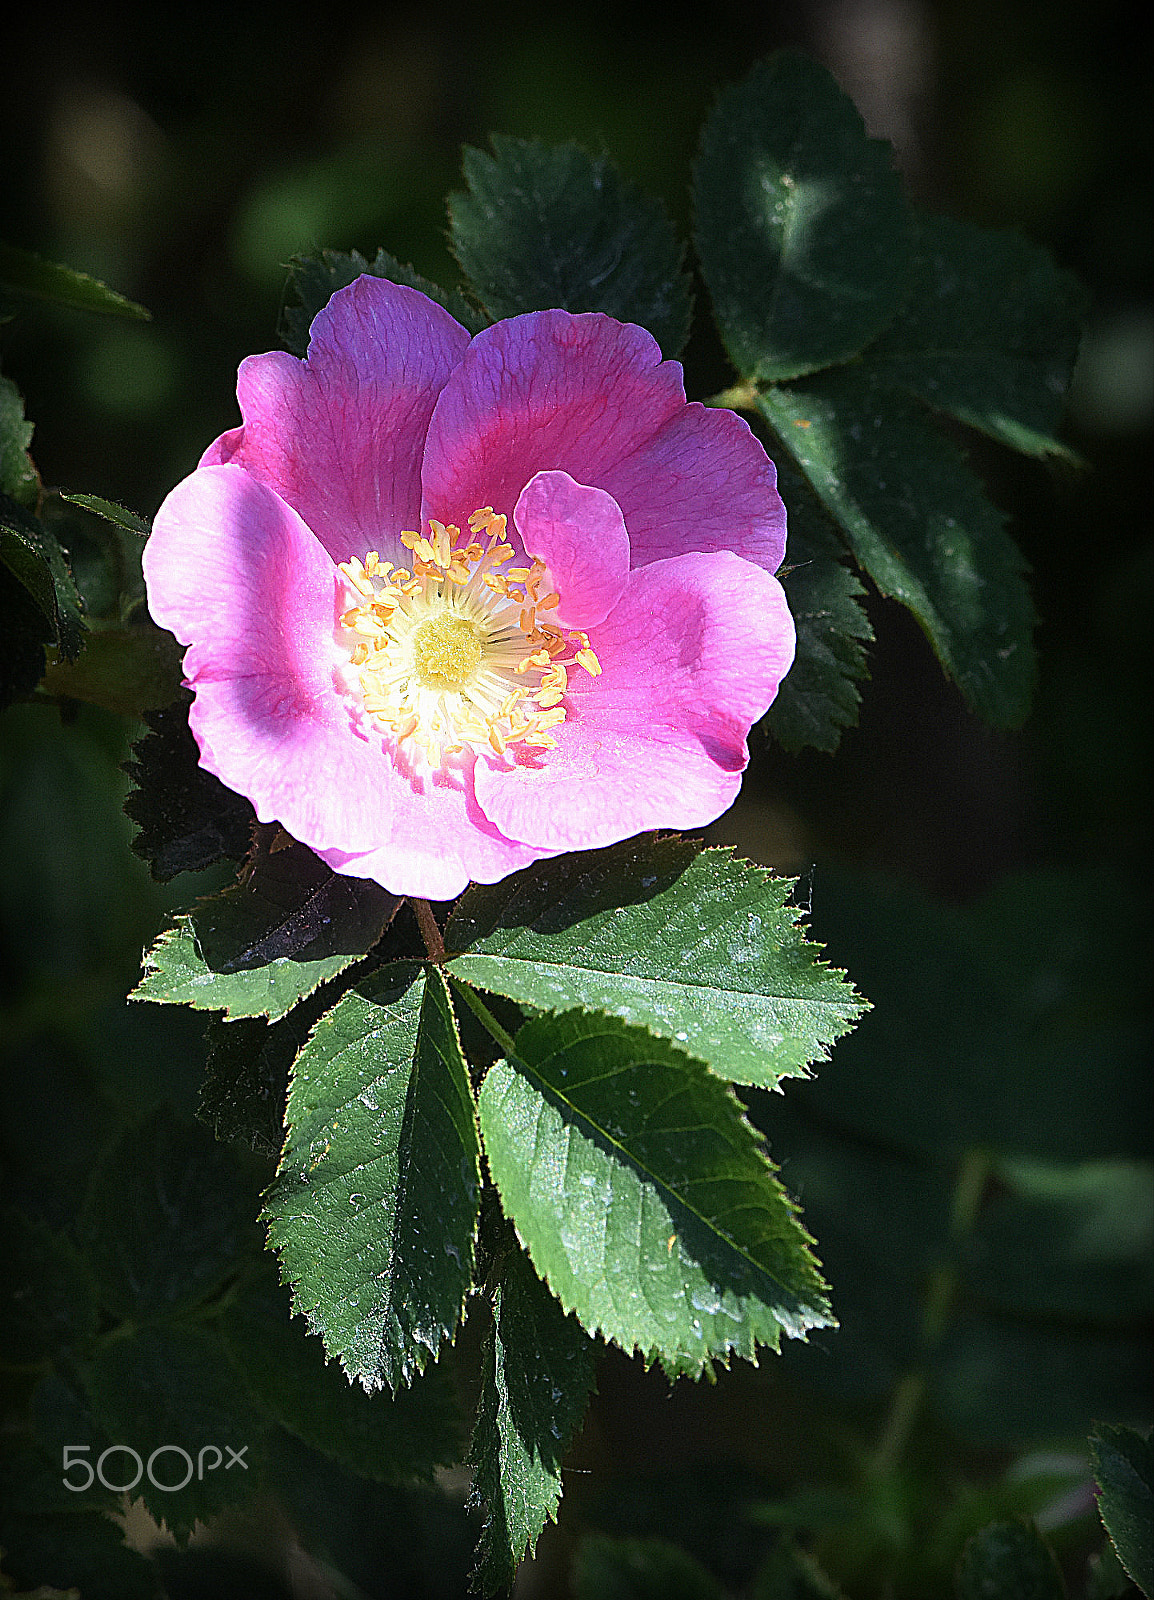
column 579, row 533
column 339, row 436
column 702, row 482
column 441, row 841
column 691, row 657
column 542, row 392
column 233, row 569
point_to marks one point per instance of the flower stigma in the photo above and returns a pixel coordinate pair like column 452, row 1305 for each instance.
column 453, row 653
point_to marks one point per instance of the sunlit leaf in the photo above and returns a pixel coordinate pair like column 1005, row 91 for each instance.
column 698, row 945
column 643, row 1195
column 374, row 1210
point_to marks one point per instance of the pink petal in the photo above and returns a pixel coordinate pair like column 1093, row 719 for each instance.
column 440, row 842
column 580, row 535
column 691, row 657
column 339, row 436
column 701, row 482
column 543, row 392
column 232, row 568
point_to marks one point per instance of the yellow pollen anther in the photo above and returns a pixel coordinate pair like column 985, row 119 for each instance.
column 453, row 654
column 447, row 650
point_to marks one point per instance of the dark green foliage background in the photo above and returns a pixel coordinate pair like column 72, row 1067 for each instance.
column 183, row 156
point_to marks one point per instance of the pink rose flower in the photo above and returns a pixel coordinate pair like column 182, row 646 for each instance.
column 453, row 604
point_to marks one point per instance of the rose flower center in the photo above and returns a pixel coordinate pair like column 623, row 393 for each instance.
column 454, row 653
column 447, row 650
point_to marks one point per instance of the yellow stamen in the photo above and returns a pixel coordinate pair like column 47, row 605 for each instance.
column 453, row 653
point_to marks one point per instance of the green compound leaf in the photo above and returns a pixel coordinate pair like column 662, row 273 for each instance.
column 374, row 1209
column 644, row 1197
column 313, row 280
column 1009, row 1561
column 18, row 477
column 548, row 225
column 187, row 819
column 30, row 276
column 819, row 696
column 390, row 1439
column 919, row 523
column 537, row 1377
column 1124, row 1470
column 259, row 947
column 697, row 945
column 989, row 333
column 802, row 227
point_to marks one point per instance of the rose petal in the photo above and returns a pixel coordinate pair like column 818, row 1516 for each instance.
column 691, row 657
column 543, row 392
column 234, row 569
column 440, row 842
column 580, row 535
column 339, row 436
column 701, row 482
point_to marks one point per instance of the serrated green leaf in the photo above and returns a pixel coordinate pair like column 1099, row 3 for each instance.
column 802, row 228
column 120, row 516
column 46, row 1298
column 988, row 333
column 919, row 523
column 374, row 1209
column 313, row 280
column 545, row 226
column 640, row 1569
column 1124, row 1470
column 33, row 555
column 18, row 477
column 259, row 947
column 167, row 1217
column 1009, row 1560
column 819, row 696
column 537, row 1376
column 390, row 1439
column 28, row 275
column 643, row 1195
column 187, row 818
column 169, row 1387
column 697, row 945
